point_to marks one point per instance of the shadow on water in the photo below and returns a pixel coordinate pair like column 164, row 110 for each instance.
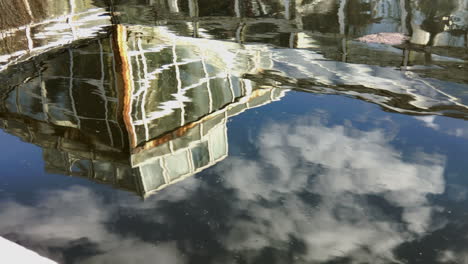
column 139, row 95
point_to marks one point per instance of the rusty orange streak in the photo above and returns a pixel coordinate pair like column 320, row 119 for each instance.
column 184, row 129
column 121, row 33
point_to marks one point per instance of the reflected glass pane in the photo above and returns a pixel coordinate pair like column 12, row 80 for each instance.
column 152, row 176
column 177, row 165
column 200, row 155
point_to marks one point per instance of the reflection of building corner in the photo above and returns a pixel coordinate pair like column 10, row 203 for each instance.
column 191, row 148
column 155, row 112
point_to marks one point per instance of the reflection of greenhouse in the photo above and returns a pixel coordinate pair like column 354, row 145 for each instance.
column 159, row 168
column 164, row 160
column 154, row 112
column 178, row 81
column 182, row 157
column 31, row 27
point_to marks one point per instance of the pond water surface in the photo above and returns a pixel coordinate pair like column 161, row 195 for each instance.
column 235, row 131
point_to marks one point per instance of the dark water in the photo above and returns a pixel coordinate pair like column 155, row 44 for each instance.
column 235, row 131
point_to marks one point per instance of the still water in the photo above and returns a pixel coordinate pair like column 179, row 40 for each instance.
column 234, row 131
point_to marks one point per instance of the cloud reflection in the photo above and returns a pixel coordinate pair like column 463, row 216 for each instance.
column 66, row 218
column 449, row 127
column 345, row 170
column 316, row 192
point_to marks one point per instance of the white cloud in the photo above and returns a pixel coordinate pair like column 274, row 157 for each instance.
column 62, row 217
column 311, row 181
column 453, row 128
column 428, row 121
column 341, row 166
